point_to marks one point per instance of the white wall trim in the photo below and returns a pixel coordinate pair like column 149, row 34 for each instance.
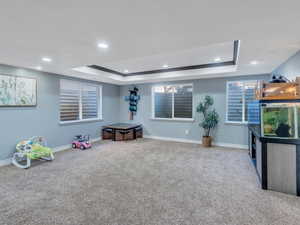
column 6, row 162
column 231, row 145
column 175, row 119
column 221, row 144
column 172, row 139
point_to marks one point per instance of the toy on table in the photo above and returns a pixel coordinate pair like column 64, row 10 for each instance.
column 82, row 142
column 33, row 148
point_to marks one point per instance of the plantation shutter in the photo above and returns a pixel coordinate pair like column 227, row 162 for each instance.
column 249, row 90
column 235, row 101
column 173, row 101
column 163, row 101
column 69, row 100
column 239, row 97
column 89, row 102
column 183, row 102
column 79, row 101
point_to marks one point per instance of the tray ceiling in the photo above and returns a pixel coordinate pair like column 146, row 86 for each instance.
column 144, row 35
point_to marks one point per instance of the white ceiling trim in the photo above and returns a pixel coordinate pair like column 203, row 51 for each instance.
column 176, row 75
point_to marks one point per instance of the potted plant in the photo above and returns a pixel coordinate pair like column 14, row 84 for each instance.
column 210, row 119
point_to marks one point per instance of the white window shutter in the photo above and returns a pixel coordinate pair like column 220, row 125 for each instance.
column 249, row 88
column 173, row 101
column 183, row 102
column 163, row 102
column 69, row 101
column 235, row 102
column 79, row 101
column 90, row 103
column 239, row 96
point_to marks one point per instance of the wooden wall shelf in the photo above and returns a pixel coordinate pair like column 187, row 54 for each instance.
column 278, row 91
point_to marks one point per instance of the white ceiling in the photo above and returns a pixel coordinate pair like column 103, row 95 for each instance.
column 69, row 31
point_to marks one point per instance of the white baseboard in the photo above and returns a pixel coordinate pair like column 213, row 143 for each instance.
column 96, row 139
column 230, row 145
column 6, row 162
column 221, row 144
column 61, row 148
column 172, row 139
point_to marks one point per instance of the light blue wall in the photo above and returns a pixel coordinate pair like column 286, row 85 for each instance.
column 290, row 68
column 225, row 133
column 21, row 123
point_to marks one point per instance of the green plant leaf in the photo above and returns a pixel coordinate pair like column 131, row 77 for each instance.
column 210, row 117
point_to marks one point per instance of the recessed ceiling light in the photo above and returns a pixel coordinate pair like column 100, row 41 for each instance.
column 46, row 59
column 165, row 66
column 103, row 45
column 39, row 68
column 254, row 62
column 217, row 59
column 126, row 71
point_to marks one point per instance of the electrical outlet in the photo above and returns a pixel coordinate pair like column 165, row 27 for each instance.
column 187, row 132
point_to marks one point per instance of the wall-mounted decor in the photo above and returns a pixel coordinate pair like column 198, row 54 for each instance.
column 133, row 99
column 17, row 91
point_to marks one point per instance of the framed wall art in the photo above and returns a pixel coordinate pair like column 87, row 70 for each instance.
column 17, row 91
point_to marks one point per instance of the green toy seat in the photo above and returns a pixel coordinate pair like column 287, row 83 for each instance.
column 34, row 148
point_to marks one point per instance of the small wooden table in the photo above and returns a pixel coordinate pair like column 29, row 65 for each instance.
column 123, row 127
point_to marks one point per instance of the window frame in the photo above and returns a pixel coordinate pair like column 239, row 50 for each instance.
column 243, row 122
column 99, row 101
column 173, row 118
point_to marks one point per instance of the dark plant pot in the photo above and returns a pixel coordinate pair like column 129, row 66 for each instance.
column 206, row 141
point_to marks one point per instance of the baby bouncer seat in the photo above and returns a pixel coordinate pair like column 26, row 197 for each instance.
column 33, row 148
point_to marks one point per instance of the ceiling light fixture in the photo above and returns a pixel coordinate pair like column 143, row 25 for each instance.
column 165, row 66
column 39, row 68
column 103, row 45
column 254, row 62
column 217, row 59
column 126, row 71
column 46, row 59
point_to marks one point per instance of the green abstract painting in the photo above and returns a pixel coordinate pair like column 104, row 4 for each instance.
column 17, row 91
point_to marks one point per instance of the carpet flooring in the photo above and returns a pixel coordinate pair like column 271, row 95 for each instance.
column 145, row 182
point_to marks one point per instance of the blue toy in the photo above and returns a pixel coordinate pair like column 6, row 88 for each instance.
column 133, row 99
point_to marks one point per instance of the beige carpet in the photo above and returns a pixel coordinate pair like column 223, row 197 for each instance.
column 142, row 182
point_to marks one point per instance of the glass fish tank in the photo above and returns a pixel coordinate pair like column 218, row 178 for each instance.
column 276, row 119
column 279, row 120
